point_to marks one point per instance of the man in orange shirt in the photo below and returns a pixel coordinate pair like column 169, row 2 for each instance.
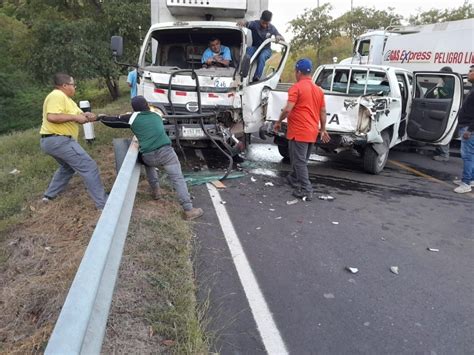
column 306, row 112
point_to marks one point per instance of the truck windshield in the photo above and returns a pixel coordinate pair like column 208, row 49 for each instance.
column 172, row 49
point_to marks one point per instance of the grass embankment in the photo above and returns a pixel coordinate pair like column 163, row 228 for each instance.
column 41, row 246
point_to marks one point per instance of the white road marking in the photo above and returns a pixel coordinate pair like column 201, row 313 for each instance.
column 267, row 328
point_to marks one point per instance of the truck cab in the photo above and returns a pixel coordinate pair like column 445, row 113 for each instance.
column 205, row 106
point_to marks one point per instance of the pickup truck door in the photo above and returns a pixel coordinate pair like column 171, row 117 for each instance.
column 255, row 93
column 437, row 97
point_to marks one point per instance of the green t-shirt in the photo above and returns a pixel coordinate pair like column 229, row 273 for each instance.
column 149, row 130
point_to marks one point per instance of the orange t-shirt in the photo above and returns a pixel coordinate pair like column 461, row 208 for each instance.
column 303, row 119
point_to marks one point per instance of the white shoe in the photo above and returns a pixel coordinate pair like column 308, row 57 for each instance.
column 459, row 182
column 463, row 188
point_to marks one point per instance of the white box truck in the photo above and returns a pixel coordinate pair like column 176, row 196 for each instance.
column 416, row 48
column 205, row 106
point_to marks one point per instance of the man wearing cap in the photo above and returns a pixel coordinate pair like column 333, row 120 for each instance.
column 306, row 113
column 156, row 149
column 261, row 30
column 59, row 132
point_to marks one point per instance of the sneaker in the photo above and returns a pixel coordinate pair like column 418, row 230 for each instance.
column 193, row 213
column 440, row 158
column 156, row 193
column 463, row 188
column 46, row 199
column 305, row 196
column 459, row 182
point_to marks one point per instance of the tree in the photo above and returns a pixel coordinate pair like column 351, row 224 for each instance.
column 361, row 19
column 73, row 36
column 434, row 15
column 313, row 29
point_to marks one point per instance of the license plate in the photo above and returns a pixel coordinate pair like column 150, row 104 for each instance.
column 192, row 132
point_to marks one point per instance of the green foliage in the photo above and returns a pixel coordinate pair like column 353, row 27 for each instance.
column 361, row 19
column 434, row 15
column 313, row 28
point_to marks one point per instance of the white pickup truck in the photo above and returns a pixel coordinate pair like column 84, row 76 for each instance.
column 372, row 108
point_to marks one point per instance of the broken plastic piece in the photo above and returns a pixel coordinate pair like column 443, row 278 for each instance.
column 335, row 223
column 278, row 217
column 352, row 270
column 292, row 202
column 269, row 184
column 253, row 179
column 15, row 172
column 434, row 250
column 394, row 269
column 223, row 202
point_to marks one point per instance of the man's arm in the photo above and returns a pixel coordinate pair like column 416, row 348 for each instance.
column 277, row 34
column 284, row 114
column 322, row 120
column 120, row 121
column 63, row 117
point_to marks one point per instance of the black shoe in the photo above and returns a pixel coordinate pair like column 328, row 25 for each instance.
column 304, row 195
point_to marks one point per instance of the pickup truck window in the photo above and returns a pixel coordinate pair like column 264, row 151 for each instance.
column 356, row 82
column 434, row 87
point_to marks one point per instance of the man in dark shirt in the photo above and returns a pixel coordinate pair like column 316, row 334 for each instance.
column 466, row 126
column 155, row 147
column 261, row 30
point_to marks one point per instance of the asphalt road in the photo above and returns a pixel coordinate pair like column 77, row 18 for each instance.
column 299, row 255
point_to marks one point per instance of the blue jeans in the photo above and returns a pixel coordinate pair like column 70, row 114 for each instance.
column 261, row 60
column 467, row 155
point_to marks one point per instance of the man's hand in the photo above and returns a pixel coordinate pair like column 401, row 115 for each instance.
column 325, row 137
column 277, row 126
column 241, row 23
column 91, row 117
column 210, row 61
column 279, row 38
column 467, row 135
column 82, row 118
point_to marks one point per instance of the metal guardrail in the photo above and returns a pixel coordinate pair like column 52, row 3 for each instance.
column 80, row 328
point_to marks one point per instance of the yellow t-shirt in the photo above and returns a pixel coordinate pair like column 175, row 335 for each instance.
column 59, row 102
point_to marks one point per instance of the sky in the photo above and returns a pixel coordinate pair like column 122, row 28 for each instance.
column 286, row 10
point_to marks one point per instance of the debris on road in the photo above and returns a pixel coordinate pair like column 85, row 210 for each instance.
column 258, row 228
column 218, row 184
column 278, row 217
column 335, row 223
column 292, row 202
column 434, row 250
column 329, row 296
column 253, row 179
column 394, row 269
column 326, row 197
column 14, row 172
column 352, row 270
column 223, row 202
column 271, row 209
column 269, row 184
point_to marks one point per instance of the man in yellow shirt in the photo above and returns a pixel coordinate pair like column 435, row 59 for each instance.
column 59, row 132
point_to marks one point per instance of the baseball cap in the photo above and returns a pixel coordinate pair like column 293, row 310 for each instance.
column 304, row 65
column 139, row 103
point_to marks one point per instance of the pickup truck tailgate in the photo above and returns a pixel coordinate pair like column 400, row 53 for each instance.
column 339, row 118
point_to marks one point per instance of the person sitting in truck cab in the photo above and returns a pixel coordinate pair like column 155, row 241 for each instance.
column 216, row 55
column 261, row 30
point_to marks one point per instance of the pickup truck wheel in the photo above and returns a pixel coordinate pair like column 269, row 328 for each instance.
column 374, row 161
column 284, row 151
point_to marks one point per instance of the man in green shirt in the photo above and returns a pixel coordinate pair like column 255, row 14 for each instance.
column 155, row 148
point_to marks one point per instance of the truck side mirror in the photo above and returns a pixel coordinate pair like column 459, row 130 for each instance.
column 116, row 45
column 245, row 66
